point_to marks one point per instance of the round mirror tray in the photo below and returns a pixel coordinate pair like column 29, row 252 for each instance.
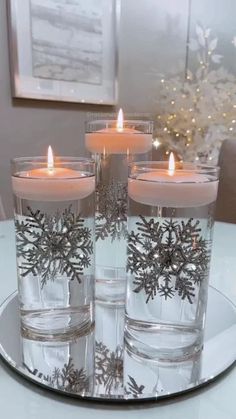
column 98, row 367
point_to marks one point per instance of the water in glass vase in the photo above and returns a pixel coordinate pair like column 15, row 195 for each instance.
column 55, row 267
column 169, row 249
column 111, row 227
column 55, row 255
column 168, row 267
column 114, row 144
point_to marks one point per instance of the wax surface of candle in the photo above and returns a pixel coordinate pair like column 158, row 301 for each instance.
column 118, row 139
column 55, row 172
column 52, row 184
column 181, row 189
column 113, row 142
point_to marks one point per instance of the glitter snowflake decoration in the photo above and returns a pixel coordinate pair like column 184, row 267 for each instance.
column 68, row 378
column 53, row 245
column 168, row 258
column 109, row 367
column 132, row 389
column 111, row 214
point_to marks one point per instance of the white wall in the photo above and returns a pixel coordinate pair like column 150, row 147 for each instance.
column 152, row 45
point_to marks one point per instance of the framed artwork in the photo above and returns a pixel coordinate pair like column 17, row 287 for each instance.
column 64, row 50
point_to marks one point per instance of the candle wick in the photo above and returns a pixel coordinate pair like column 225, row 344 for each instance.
column 50, row 170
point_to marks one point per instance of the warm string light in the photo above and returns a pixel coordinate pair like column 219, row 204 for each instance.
column 189, row 106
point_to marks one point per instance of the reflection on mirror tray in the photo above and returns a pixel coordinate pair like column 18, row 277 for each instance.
column 98, row 366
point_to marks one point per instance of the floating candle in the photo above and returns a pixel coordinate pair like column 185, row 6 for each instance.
column 118, row 138
column 52, row 183
column 173, row 188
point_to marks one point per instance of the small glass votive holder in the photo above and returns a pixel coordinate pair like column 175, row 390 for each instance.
column 113, row 147
column 170, row 226
column 54, row 226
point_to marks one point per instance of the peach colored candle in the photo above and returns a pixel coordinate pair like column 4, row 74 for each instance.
column 170, row 188
column 52, row 183
column 118, row 140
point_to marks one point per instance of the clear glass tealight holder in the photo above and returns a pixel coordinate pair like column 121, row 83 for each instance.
column 113, row 149
column 170, row 226
column 54, row 226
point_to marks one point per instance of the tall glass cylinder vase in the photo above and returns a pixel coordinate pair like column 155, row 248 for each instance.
column 113, row 147
column 54, row 225
column 170, row 226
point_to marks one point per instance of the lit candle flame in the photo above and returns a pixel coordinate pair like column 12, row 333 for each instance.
column 104, row 152
column 120, row 121
column 171, row 166
column 50, row 159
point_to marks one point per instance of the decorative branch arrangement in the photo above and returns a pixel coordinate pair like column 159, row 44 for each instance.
column 198, row 113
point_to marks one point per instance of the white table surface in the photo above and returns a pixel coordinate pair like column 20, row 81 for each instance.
column 22, row 400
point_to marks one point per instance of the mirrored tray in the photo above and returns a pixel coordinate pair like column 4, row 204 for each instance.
column 98, row 367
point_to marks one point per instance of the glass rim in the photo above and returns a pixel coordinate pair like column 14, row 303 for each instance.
column 144, row 126
column 131, row 121
column 196, row 167
column 20, row 165
column 57, row 159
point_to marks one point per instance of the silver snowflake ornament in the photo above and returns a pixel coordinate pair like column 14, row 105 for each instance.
column 53, row 245
column 133, row 390
column 168, row 258
column 68, row 378
column 109, row 367
column 111, row 215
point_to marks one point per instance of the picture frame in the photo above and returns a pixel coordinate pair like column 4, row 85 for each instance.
column 64, row 50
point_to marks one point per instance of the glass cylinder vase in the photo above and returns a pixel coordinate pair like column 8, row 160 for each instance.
column 170, row 226
column 54, row 225
column 113, row 148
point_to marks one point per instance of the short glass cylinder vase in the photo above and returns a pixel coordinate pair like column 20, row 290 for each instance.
column 113, row 147
column 170, row 226
column 54, row 225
